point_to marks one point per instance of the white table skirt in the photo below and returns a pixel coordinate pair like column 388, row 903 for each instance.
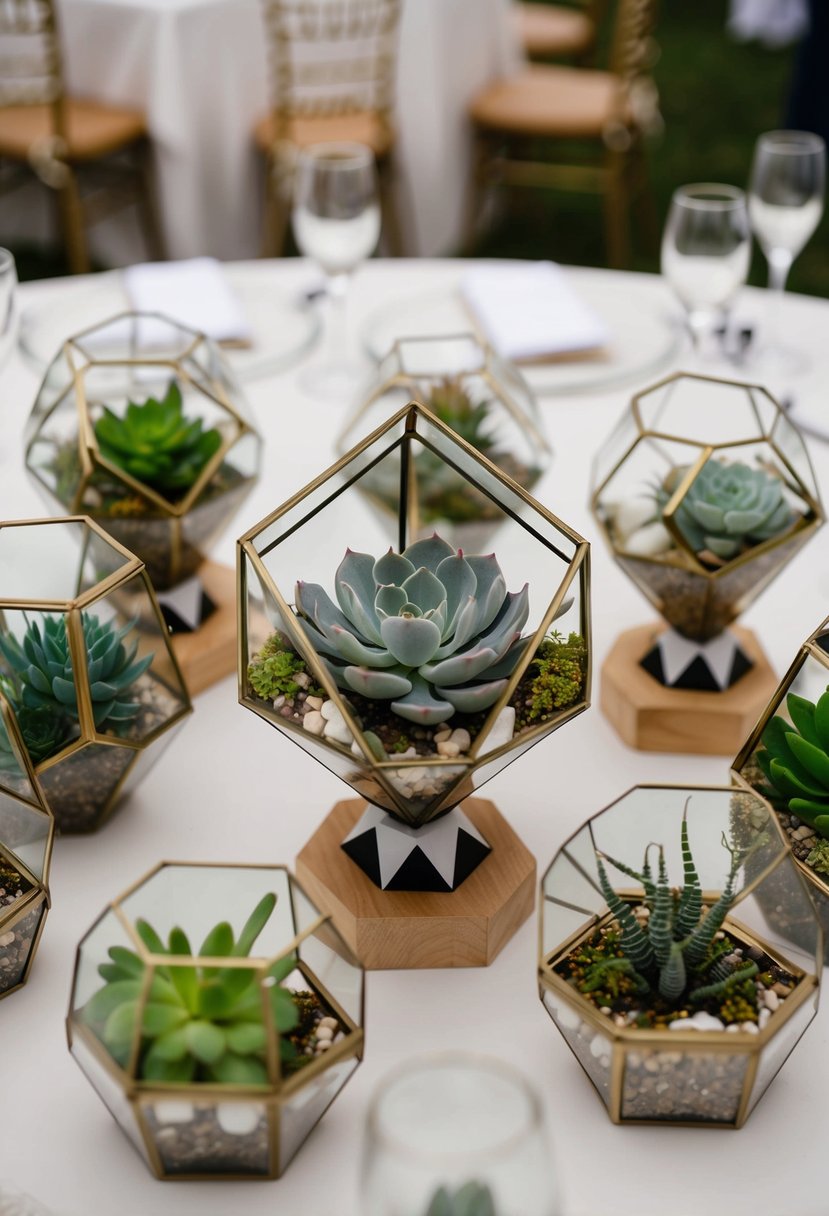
column 216, row 795
column 198, row 69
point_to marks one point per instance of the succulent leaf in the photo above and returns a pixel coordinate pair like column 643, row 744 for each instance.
column 795, row 759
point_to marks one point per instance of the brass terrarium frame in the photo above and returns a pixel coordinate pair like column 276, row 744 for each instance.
column 80, row 363
column 28, row 795
column 578, row 569
column 625, row 1039
column 142, row 1094
column 73, row 609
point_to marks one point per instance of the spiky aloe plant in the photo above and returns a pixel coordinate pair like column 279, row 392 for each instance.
column 156, row 444
column 471, row 1199
column 198, row 1023
column 795, row 760
column 41, row 670
column 673, row 954
column 450, row 401
column 431, row 630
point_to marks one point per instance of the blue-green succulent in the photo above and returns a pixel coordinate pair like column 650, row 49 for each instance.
column 430, row 629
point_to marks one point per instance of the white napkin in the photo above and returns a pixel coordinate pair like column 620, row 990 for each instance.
column 530, row 311
column 195, row 293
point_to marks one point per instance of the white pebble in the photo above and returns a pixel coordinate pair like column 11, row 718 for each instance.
column 450, row 750
column 6, row 939
column 771, row 999
column 330, row 710
column 750, row 1027
column 632, row 513
column 700, row 1021
column 763, row 1018
column 462, row 738
column 323, row 1045
column 332, row 1023
column 649, row 540
column 238, row 1118
column 302, row 679
column 335, row 726
column 314, row 722
column 323, row 1033
column 314, row 702
column 441, row 736
column 600, row 1048
column 279, row 701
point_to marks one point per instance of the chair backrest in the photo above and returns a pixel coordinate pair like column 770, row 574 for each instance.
column 632, row 47
column 331, row 56
column 30, row 63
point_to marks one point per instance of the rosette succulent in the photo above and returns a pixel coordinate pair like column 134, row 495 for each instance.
column 44, row 732
column 156, row 444
column 728, row 507
column 795, row 760
column 430, row 629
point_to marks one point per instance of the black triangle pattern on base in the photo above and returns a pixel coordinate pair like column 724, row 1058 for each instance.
column 697, row 676
column 363, row 852
column 177, row 624
column 417, row 874
column 470, row 853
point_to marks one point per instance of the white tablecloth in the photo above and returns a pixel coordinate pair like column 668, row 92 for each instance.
column 232, row 788
column 198, row 69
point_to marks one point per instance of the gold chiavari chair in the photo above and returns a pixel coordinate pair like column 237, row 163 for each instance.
column 332, row 67
column 64, row 139
column 595, row 122
column 557, row 31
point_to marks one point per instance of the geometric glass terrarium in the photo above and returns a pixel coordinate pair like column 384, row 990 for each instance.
column 217, row 1014
column 85, row 665
column 483, row 398
column 434, row 668
column 27, row 829
column 785, row 759
column 680, row 1008
column 703, row 492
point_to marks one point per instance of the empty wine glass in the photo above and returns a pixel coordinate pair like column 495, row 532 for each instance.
column 8, row 309
column 706, row 249
column 785, row 204
column 457, row 1132
column 336, row 221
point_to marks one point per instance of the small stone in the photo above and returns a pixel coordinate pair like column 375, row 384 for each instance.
column 302, row 679
column 804, row 832
column 462, row 738
column 600, row 1048
column 649, row 540
column 323, row 1033
column 286, row 712
column 781, row 989
column 762, row 1018
column 6, row 939
column 604, row 1009
column 662, row 1086
column 732, row 1029
column 441, row 736
column 331, row 1023
column 314, row 702
column 174, row 1112
column 279, row 701
column 632, row 513
column 238, row 1118
column 770, row 999
column 450, row 750
column 323, row 1045
column 335, row 726
column 651, row 1064
column 314, row 722
column 755, row 952
column 750, row 1027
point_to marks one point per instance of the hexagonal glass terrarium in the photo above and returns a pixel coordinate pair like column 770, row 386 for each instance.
column 674, row 989
column 86, row 666
column 704, row 492
column 217, row 1014
column 480, row 396
column 786, row 760
column 27, row 829
column 435, row 669
column 139, row 424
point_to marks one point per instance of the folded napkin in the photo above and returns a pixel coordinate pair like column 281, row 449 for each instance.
column 195, row 293
column 529, row 311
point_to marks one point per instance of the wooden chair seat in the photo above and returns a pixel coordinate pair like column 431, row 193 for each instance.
column 551, row 31
column 362, row 128
column 94, row 130
column 556, row 102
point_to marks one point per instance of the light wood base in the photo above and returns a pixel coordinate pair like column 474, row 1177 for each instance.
column 653, row 718
column 209, row 653
column 387, row 929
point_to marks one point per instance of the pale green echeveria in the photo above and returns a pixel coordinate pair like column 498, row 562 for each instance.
column 431, row 630
column 728, row 507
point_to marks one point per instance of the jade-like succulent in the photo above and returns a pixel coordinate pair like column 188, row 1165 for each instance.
column 156, row 444
column 430, row 630
column 728, row 507
column 199, row 1023
column 471, row 1199
column 42, row 677
column 795, row 760
column 674, row 952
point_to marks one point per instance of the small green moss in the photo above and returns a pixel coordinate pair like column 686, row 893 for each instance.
column 561, row 669
column 402, row 744
column 818, row 858
column 273, row 669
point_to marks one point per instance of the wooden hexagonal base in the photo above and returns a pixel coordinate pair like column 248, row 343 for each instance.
column 653, row 718
column 208, row 654
column 388, row 929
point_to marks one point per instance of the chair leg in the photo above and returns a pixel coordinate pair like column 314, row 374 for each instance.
column 644, row 201
column 478, row 177
column 275, row 224
column 148, row 205
column 72, row 224
column 392, row 232
column 616, row 208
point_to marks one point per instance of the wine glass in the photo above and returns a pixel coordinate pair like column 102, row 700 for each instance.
column 706, row 249
column 785, row 204
column 450, row 1127
column 336, row 221
column 8, row 310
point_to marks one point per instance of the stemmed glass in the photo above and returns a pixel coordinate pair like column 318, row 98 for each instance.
column 449, row 1128
column 706, row 249
column 785, row 204
column 336, row 221
column 8, row 311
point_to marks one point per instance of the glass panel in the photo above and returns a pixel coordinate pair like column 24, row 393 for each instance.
column 109, row 1092
column 790, row 443
column 147, row 757
column 776, row 1052
column 25, row 832
column 705, row 411
column 299, row 1114
column 16, row 940
column 42, row 561
column 591, row 1048
column 564, row 883
column 683, row 1084
column 206, row 1137
column 107, row 932
column 330, row 960
column 80, row 787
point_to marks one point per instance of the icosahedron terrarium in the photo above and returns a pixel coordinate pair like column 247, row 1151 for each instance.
column 704, row 492
column 675, row 991
column 140, row 424
column 85, row 666
column 414, row 673
column 481, row 397
column 217, row 1014
column 786, row 760
column 27, row 828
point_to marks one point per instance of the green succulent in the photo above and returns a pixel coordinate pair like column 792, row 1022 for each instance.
column 199, row 1023
column 156, row 444
column 674, row 954
column 560, row 666
column 41, row 670
column 795, row 760
column 431, row 630
column 471, row 1199
column 272, row 670
column 44, row 732
column 728, row 507
column 452, row 404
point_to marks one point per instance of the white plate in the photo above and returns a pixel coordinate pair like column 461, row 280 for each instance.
column 284, row 326
column 643, row 336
